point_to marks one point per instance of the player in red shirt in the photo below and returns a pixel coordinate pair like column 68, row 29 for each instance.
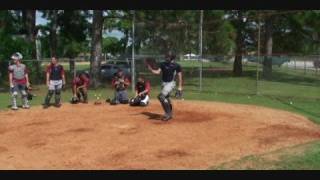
column 143, row 88
column 80, row 85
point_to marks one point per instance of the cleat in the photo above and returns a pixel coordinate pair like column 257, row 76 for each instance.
column 166, row 118
column 14, row 108
column 26, row 107
column 58, row 105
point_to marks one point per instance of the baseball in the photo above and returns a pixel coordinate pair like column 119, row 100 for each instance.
column 291, row 102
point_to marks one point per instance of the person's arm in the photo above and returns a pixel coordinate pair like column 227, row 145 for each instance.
column 63, row 76
column 74, row 90
column 27, row 77
column 147, row 89
column 10, row 79
column 126, row 82
column 48, row 75
column 180, row 81
column 154, row 71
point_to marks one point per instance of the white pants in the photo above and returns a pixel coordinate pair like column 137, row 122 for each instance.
column 55, row 84
column 167, row 87
column 146, row 99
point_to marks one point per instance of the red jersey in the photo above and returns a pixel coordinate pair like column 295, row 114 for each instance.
column 140, row 87
column 80, row 81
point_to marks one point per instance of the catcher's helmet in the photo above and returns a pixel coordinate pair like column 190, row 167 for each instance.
column 17, row 56
column 170, row 56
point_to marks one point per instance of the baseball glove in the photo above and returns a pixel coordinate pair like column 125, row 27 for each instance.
column 150, row 62
column 74, row 100
column 179, row 94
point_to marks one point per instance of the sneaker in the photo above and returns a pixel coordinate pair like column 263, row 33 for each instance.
column 14, row 108
column 166, row 118
column 45, row 106
column 58, row 105
column 26, row 106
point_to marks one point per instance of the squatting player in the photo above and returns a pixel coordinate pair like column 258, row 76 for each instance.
column 120, row 83
column 169, row 70
column 142, row 93
column 80, row 86
column 55, row 79
column 19, row 81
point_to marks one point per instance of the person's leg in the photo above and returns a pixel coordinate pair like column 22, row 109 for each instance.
column 116, row 98
column 14, row 95
column 124, row 97
column 24, row 96
column 164, row 98
column 84, row 94
column 49, row 94
column 135, row 101
column 58, row 88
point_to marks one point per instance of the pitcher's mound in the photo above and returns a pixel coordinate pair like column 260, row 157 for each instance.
column 202, row 134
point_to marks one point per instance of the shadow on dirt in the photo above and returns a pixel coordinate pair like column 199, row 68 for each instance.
column 153, row 116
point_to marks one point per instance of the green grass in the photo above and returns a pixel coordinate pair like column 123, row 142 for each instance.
column 299, row 157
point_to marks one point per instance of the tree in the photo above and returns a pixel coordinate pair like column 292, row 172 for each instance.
column 72, row 35
column 96, row 46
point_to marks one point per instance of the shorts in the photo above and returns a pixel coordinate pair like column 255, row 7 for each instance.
column 55, row 84
column 167, row 87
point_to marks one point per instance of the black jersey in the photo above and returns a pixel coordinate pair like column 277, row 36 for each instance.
column 169, row 70
column 56, row 72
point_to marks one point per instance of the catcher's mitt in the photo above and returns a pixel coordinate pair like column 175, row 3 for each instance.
column 179, row 94
column 74, row 100
column 151, row 62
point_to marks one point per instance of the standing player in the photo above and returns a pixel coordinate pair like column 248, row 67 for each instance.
column 169, row 70
column 142, row 93
column 80, row 85
column 55, row 79
column 19, row 81
column 120, row 82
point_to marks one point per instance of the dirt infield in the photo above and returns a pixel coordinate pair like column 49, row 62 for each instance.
column 201, row 135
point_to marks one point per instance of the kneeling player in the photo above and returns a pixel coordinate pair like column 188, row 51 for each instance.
column 80, row 86
column 120, row 82
column 142, row 93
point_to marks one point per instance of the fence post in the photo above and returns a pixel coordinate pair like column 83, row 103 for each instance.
column 200, row 48
column 132, row 59
column 259, row 35
column 305, row 66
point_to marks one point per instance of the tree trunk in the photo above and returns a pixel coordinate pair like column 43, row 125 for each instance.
column 29, row 17
column 53, row 32
column 72, row 66
column 96, row 47
column 267, row 62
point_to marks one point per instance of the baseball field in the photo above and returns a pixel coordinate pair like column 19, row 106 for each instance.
column 215, row 129
column 202, row 135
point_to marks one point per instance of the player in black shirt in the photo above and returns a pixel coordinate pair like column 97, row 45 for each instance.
column 169, row 70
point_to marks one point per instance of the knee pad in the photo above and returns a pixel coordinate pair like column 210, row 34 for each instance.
column 58, row 91
column 162, row 98
column 51, row 92
column 24, row 93
column 14, row 94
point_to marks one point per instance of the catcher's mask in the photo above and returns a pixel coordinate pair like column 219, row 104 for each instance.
column 170, row 56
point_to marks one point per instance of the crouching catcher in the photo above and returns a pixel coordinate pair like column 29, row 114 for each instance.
column 142, row 93
column 80, row 85
column 120, row 83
